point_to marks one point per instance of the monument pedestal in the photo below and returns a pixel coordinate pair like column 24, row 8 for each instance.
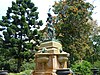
column 51, row 59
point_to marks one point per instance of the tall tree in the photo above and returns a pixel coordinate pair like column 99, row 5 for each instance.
column 72, row 27
column 1, row 51
column 95, row 37
column 21, row 24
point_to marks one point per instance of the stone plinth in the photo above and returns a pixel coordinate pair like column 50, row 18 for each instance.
column 48, row 62
column 51, row 46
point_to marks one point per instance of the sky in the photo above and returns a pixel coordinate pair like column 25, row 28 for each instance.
column 44, row 5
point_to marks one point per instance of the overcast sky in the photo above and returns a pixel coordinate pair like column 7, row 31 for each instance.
column 44, row 5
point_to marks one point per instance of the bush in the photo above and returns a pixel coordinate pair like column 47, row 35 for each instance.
column 11, row 65
column 28, row 65
column 82, row 68
column 97, row 65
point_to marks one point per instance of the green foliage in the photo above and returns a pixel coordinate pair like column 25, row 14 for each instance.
column 72, row 27
column 82, row 68
column 28, row 65
column 96, row 44
column 11, row 65
column 19, row 27
column 97, row 65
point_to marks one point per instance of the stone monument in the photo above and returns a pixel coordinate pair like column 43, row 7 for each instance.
column 50, row 56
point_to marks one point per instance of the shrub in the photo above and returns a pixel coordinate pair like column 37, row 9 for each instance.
column 82, row 68
column 97, row 65
column 28, row 65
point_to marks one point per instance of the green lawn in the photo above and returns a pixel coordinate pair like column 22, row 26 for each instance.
column 26, row 72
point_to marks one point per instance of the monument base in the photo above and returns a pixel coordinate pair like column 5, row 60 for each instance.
column 52, row 59
column 44, row 73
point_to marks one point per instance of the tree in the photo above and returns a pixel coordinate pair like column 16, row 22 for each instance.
column 95, row 37
column 21, row 24
column 96, row 44
column 1, row 53
column 72, row 27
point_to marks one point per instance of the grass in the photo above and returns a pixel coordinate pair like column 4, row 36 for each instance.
column 26, row 72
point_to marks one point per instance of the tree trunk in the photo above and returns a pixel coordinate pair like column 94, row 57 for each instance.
column 19, row 65
column 19, row 57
